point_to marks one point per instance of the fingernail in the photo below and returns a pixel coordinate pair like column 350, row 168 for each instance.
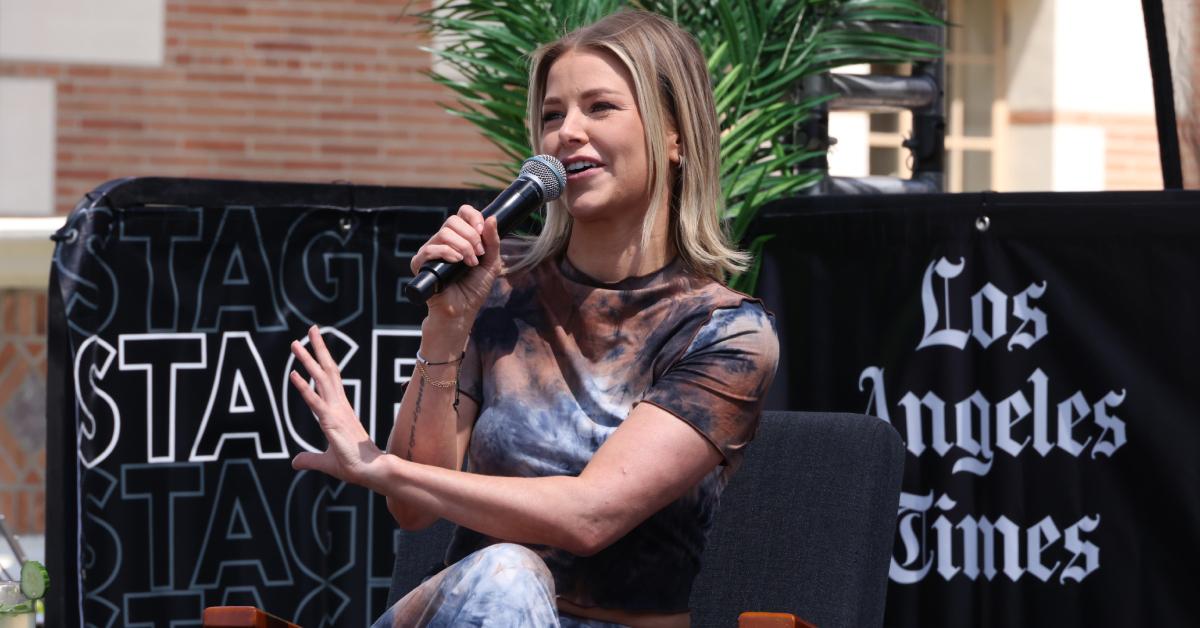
column 479, row 249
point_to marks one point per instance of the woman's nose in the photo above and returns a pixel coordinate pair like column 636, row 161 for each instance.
column 571, row 130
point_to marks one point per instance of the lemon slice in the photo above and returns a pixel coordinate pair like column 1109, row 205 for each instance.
column 34, row 580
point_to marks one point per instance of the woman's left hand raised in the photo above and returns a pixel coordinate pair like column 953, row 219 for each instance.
column 350, row 449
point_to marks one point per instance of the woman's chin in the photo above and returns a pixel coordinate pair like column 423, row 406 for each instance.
column 584, row 209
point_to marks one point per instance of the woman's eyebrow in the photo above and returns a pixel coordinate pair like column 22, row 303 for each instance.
column 587, row 94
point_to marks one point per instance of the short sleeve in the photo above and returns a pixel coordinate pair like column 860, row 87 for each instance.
column 470, row 375
column 719, row 382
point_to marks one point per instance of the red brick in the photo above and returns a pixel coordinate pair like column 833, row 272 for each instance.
column 141, row 108
column 284, row 46
column 313, row 165
column 250, row 27
column 283, row 80
column 117, row 162
column 345, row 115
column 277, row 147
column 224, row 9
column 214, row 112
column 188, row 25
column 322, row 131
column 345, row 83
column 157, row 143
column 275, row 114
column 318, row 31
column 246, row 130
column 113, row 124
column 362, row 51
column 97, row 176
column 213, row 145
column 82, row 140
column 252, row 95
column 344, row 149
column 288, row 13
column 170, row 160
column 224, row 44
column 110, row 90
column 350, row 16
column 212, row 77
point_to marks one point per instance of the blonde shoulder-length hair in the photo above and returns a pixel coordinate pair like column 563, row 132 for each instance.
column 673, row 91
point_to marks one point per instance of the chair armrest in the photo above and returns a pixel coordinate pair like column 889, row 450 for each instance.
column 751, row 619
column 242, row 617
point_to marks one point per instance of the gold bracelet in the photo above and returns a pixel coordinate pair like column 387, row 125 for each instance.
column 436, row 383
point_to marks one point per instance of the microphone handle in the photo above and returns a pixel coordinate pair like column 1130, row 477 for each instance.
column 512, row 206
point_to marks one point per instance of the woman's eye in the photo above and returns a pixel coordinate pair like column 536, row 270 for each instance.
column 550, row 116
column 603, row 106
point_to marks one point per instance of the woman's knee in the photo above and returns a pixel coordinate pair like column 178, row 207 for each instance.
column 511, row 559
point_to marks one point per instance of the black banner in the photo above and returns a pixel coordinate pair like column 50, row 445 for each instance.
column 176, row 303
column 1034, row 351
column 1037, row 353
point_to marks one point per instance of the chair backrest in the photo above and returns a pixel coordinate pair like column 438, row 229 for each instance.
column 805, row 526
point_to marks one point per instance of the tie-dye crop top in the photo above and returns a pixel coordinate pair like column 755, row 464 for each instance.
column 557, row 360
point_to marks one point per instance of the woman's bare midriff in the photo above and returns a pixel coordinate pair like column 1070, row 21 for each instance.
column 634, row 620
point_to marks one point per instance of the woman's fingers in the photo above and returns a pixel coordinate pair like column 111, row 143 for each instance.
column 433, row 251
column 467, row 231
column 306, row 360
column 309, row 396
column 458, row 239
column 463, row 246
column 472, row 216
column 491, row 241
column 317, row 462
column 323, row 357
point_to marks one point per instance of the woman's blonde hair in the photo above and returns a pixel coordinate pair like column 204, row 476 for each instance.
column 673, row 91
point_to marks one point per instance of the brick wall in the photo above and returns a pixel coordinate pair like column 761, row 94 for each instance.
column 23, row 409
column 319, row 90
column 1131, row 160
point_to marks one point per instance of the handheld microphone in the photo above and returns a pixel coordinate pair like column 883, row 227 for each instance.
column 542, row 180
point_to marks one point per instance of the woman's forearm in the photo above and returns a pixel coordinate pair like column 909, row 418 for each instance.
column 427, row 427
column 652, row 459
column 559, row 511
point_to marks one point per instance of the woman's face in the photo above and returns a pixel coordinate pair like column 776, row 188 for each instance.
column 591, row 122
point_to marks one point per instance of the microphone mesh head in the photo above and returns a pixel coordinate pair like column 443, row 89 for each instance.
column 548, row 172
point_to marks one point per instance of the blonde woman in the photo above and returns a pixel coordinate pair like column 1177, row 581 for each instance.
column 600, row 381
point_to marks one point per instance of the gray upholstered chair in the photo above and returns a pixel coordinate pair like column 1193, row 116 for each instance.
column 805, row 526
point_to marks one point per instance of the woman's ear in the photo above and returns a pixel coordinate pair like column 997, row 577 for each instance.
column 674, row 151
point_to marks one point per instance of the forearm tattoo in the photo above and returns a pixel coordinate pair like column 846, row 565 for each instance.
column 412, row 430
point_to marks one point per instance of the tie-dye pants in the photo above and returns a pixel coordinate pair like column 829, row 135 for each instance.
column 503, row 585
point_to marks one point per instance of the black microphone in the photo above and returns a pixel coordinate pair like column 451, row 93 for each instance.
column 542, row 180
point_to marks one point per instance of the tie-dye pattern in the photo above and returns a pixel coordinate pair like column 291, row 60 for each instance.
column 557, row 360
column 500, row 586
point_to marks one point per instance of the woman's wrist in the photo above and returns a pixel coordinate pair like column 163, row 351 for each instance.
column 442, row 342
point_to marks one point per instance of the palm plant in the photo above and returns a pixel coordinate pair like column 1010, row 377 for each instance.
column 758, row 51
